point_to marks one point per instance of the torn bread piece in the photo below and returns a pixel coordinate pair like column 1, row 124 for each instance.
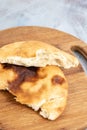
column 41, row 88
column 30, row 71
column 36, row 53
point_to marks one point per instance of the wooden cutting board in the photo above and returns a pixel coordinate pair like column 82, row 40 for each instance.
column 14, row 116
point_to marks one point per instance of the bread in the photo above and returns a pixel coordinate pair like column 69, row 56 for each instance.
column 36, row 53
column 41, row 88
column 30, row 71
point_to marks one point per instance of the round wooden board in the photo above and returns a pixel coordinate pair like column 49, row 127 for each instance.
column 14, row 116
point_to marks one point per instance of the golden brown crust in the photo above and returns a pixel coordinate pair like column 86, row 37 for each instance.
column 26, row 49
column 42, row 88
column 5, row 76
column 36, row 53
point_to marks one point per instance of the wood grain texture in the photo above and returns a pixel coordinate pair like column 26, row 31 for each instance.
column 14, row 116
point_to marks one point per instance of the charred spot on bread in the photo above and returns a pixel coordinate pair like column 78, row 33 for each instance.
column 29, row 74
column 24, row 74
column 57, row 79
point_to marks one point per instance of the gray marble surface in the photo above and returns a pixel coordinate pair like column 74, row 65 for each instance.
column 66, row 15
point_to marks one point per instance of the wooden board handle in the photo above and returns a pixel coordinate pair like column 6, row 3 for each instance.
column 82, row 50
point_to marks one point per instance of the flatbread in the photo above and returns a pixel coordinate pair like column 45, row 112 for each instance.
column 36, row 53
column 30, row 71
column 41, row 88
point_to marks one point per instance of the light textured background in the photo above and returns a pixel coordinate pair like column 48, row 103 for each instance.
column 67, row 15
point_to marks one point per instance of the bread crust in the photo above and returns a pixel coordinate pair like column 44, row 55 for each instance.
column 36, row 53
column 44, row 88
